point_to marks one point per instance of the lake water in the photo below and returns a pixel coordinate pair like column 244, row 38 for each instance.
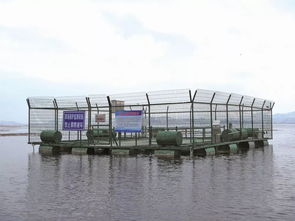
column 256, row 185
column 4, row 129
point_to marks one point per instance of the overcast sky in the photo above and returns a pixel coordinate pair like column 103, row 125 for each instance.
column 81, row 47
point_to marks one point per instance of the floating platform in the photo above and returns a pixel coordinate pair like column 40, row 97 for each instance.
column 83, row 147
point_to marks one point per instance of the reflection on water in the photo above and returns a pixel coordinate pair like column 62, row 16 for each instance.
column 256, row 185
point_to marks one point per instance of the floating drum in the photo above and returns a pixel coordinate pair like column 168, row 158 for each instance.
column 233, row 148
column 253, row 133
column 167, row 153
column 234, row 134
column 46, row 149
column 243, row 133
column 165, row 138
column 230, row 135
column 51, row 136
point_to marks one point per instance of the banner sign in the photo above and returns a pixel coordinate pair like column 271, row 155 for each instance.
column 100, row 118
column 128, row 121
column 73, row 120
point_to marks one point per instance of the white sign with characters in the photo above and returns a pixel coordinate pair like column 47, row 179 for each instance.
column 128, row 121
column 100, row 118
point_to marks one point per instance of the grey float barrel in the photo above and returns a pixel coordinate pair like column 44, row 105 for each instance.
column 165, row 138
column 50, row 136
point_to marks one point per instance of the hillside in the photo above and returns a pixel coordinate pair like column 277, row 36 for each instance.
column 10, row 123
column 287, row 118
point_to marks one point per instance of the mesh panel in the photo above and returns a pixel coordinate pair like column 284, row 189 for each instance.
column 41, row 102
column 71, row 102
column 40, row 120
column 169, row 96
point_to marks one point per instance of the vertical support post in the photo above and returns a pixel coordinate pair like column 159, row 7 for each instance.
column 141, row 134
column 119, row 137
column 262, row 118
column 77, row 106
column 145, row 120
column 149, row 119
column 190, row 125
column 97, row 109
column 240, row 116
column 243, row 116
column 29, row 120
column 211, row 117
column 192, row 139
column 271, row 120
column 252, row 122
column 227, row 123
column 55, row 114
column 192, row 100
column 78, row 132
column 110, row 122
column 203, row 134
column 89, row 112
column 167, row 124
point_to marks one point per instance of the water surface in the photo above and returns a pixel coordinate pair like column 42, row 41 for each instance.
column 256, row 185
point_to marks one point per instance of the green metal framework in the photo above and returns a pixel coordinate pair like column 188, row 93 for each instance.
column 194, row 113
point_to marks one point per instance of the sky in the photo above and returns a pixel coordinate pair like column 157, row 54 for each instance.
column 82, row 47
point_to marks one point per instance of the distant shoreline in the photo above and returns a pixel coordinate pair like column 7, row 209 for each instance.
column 13, row 134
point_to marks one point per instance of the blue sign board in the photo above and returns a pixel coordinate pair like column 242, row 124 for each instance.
column 128, row 121
column 73, row 120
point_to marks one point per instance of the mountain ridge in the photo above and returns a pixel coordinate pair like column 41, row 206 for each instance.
column 285, row 118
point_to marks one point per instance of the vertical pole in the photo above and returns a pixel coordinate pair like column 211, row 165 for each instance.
column 149, row 119
column 54, row 107
column 190, row 124
column 89, row 112
column 262, row 118
column 55, row 114
column 167, row 125
column 192, row 100
column 211, row 117
column 243, row 116
column 240, row 116
column 227, row 123
column 78, row 132
column 252, row 123
column 29, row 120
column 271, row 121
column 97, row 123
column 119, row 137
column 141, row 133
column 191, row 119
column 145, row 122
column 192, row 139
column 203, row 134
column 110, row 122
column 89, row 115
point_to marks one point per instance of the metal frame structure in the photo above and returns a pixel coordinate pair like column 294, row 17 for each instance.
column 194, row 113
